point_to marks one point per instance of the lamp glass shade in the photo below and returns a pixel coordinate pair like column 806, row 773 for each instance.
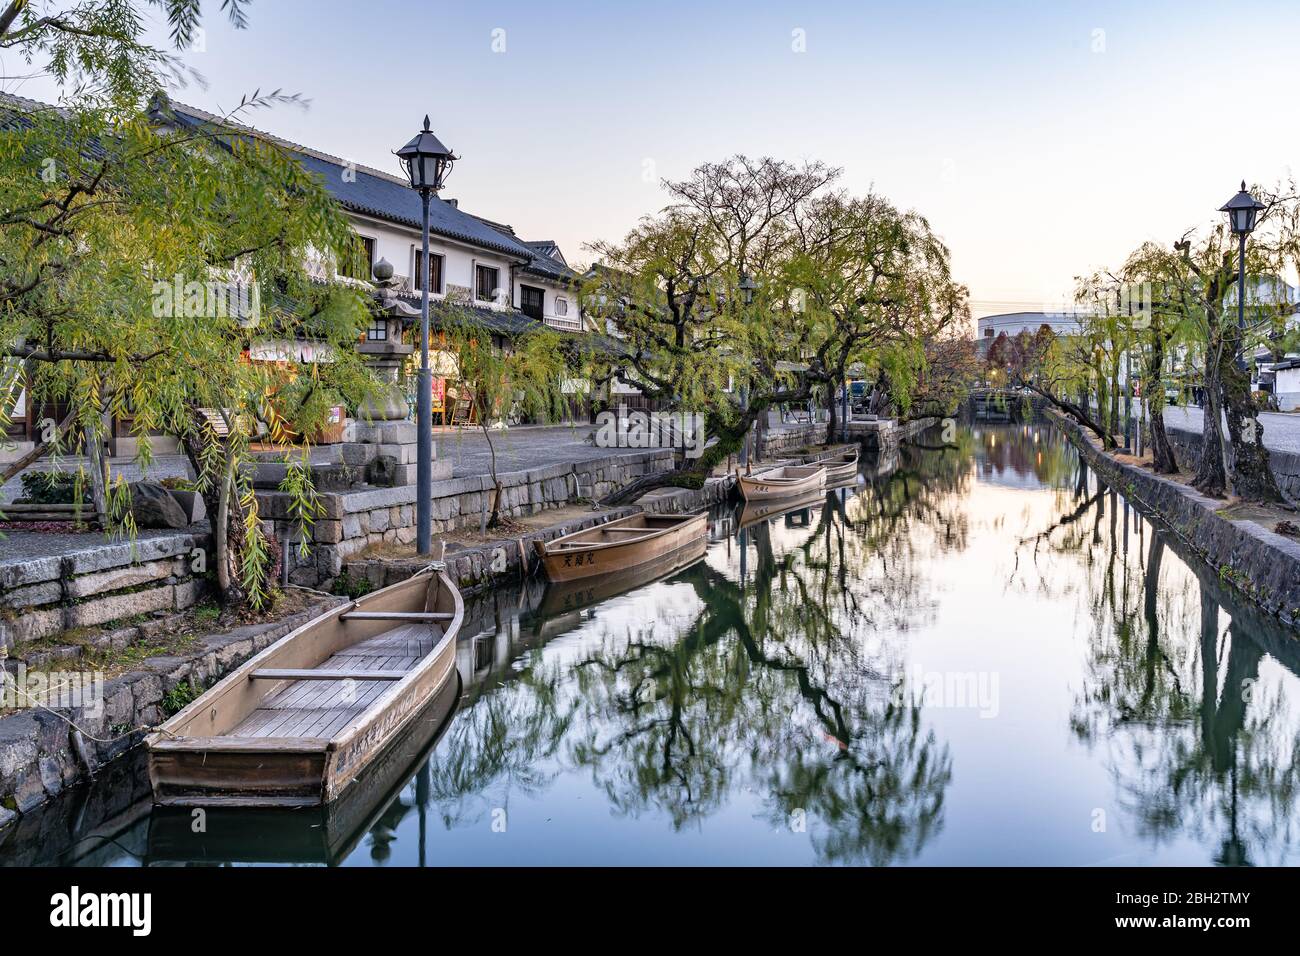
column 1243, row 211
column 425, row 160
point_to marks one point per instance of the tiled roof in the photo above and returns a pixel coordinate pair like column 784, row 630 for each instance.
column 376, row 193
column 544, row 263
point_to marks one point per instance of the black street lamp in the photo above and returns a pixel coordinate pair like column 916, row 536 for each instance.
column 426, row 163
column 1243, row 210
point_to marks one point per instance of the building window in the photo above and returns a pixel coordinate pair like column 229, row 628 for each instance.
column 435, row 272
column 362, row 260
column 485, row 283
column 561, row 305
column 378, row 331
column 531, row 302
column 988, row 333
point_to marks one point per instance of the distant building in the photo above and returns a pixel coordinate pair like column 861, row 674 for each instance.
column 1013, row 323
column 1286, row 383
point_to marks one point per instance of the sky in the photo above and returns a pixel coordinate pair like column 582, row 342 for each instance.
column 1041, row 139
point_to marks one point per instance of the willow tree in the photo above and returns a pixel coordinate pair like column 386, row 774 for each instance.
column 504, row 377
column 874, row 285
column 1201, row 278
column 696, row 300
column 144, row 260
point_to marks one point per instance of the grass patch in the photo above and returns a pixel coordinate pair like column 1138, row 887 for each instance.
column 351, row 587
column 180, row 696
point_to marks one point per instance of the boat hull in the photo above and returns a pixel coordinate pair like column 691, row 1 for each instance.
column 765, row 486
column 571, row 559
column 200, row 759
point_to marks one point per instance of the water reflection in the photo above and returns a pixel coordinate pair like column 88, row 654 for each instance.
column 764, row 704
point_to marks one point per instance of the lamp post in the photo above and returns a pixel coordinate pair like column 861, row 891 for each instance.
column 747, row 288
column 1243, row 210
column 426, row 163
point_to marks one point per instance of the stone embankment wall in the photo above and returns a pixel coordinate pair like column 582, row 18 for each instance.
column 1285, row 465
column 42, row 752
column 352, row 521
column 513, row 559
column 1259, row 564
column 44, row 595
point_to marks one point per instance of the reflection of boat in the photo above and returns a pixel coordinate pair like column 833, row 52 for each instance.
column 323, row 834
column 756, row 511
column 784, row 482
column 620, row 545
column 571, row 595
column 298, row 722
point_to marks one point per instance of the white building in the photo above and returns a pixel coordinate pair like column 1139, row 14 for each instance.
column 473, row 260
column 1013, row 323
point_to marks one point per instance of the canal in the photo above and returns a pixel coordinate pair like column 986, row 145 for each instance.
column 977, row 654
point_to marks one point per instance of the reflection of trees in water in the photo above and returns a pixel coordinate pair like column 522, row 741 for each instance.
column 1028, row 450
column 780, row 686
column 503, row 740
column 1199, row 748
column 682, row 723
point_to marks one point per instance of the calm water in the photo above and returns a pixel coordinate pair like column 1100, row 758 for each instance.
column 975, row 655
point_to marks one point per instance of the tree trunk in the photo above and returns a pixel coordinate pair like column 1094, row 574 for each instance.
column 1211, row 477
column 97, row 465
column 41, row 449
column 1077, row 412
column 832, row 414
column 225, row 515
column 1163, row 460
column 1252, row 474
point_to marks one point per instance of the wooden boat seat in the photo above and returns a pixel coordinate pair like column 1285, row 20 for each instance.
column 395, row 616
column 326, row 699
column 272, row 673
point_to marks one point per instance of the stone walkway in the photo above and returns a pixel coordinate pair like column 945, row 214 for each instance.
column 517, row 449
column 1281, row 431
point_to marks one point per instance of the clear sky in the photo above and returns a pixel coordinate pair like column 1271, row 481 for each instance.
column 1042, row 139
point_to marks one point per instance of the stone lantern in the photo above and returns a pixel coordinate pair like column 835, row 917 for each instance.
column 383, row 429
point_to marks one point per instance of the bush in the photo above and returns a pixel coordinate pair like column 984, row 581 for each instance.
column 349, row 586
column 52, row 488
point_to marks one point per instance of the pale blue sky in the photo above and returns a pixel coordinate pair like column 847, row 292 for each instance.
column 1041, row 139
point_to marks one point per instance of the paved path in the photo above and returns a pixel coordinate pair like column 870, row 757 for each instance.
column 517, row 449
column 1281, row 431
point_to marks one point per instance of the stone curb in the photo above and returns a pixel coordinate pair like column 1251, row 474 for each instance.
column 38, row 756
column 1260, row 565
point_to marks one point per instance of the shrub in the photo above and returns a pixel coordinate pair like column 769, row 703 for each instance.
column 52, row 488
column 349, row 586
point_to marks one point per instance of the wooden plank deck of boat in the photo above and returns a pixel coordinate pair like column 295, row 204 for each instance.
column 316, row 708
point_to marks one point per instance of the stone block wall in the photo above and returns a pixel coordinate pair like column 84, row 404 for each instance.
column 1257, row 563
column 354, row 520
column 100, row 584
column 777, row 443
column 478, row 569
column 1285, row 465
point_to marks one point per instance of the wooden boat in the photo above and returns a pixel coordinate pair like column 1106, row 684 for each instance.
column 296, row 724
column 568, row 596
column 620, row 545
column 840, row 466
column 322, row 834
column 788, row 481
